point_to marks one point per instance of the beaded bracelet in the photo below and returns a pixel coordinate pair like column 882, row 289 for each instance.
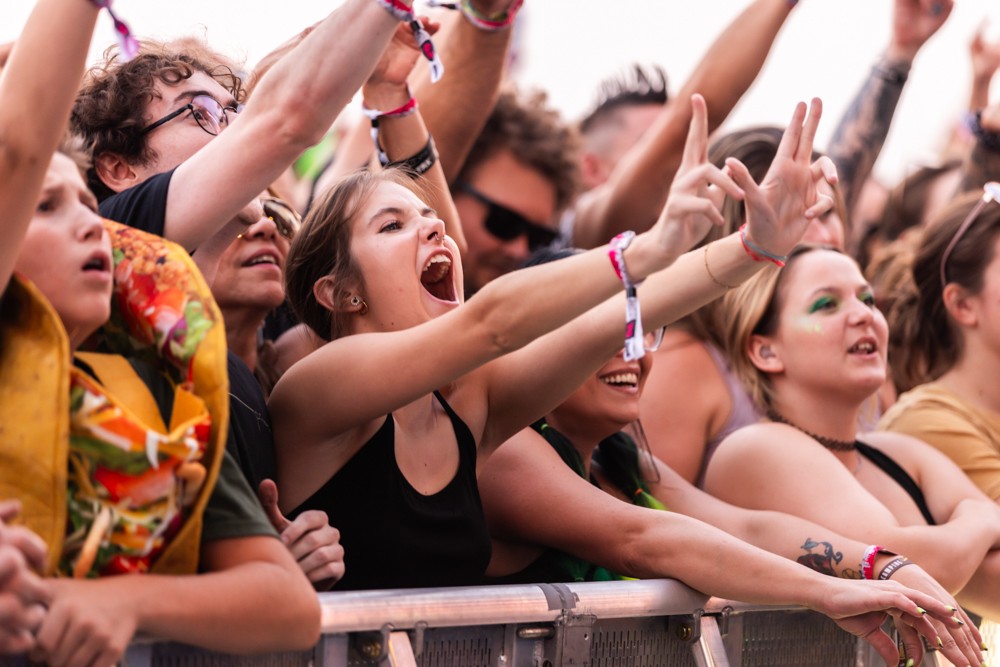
column 893, row 565
column 404, row 13
column 126, row 41
column 634, row 348
column 757, row 253
column 374, row 115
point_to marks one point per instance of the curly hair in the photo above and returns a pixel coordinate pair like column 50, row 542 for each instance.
column 537, row 136
column 110, row 108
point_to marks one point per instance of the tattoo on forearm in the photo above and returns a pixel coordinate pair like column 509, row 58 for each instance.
column 821, row 556
column 861, row 133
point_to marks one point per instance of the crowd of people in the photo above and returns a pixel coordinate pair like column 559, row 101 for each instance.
column 228, row 381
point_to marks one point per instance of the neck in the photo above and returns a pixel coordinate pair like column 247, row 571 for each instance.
column 241, row 333
column 828, row 416
column 973, row 378
column 585, row 437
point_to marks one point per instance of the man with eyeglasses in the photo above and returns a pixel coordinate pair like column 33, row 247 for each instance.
column 520, row 174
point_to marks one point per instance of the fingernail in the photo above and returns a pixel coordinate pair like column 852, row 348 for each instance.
column 921, row 610
column 958, row 620
column 906, row 663
column 940, row 643
column 951, row 609
column 984, row 646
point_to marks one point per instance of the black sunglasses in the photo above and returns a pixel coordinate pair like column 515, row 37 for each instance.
column 508, row 225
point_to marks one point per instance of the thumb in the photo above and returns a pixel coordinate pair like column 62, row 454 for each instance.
column 9, row 510
column 268, row 494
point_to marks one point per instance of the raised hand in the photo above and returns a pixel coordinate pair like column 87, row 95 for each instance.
column 23, row 594
column 984, row 54
column 780, row 208
column 314, row 543
column 697, row 191
column 400, row 56
column 913, row 23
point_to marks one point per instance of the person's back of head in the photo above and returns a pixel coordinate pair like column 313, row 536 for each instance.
column 110, row 108
column 627, row 104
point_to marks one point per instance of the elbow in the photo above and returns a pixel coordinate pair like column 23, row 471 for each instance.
column 302, row 626
column 293, row 617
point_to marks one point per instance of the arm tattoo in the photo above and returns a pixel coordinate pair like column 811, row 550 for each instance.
column 861, row 133
column 824, row 560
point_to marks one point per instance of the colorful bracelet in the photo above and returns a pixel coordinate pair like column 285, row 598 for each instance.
column 868, row 560
column 634, row 348
column 893, row 565
column 404, row 13
column 126, row 41
column 375, row 115
column 757, row 253
column 488, row 23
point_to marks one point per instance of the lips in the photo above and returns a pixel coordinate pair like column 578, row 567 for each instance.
column 99, row 261
column 265, row 257
column 436, row 277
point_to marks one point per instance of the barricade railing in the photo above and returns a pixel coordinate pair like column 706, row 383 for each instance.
column 601, row 624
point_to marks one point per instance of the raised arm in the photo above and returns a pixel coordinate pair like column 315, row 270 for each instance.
column 985, row 57
column 862, row 130
column 37, row 86
column 526, row 385
column 403, row 136
column 636, row 189
column 456, row 107
column 292, row 107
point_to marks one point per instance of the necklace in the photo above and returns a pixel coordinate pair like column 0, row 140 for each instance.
column 829, row 443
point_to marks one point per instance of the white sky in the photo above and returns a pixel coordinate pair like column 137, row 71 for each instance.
column 825, row 50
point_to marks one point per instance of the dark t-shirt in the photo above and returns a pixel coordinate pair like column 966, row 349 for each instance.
column 143, row 206
column 251, row 442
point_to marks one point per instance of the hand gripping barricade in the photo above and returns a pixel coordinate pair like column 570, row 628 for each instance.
column 104, row 481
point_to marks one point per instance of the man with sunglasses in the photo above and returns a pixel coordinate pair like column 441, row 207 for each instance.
column 521, row 172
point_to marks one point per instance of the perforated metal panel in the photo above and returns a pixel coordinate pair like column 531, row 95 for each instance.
column 795, row 639
column 639, row 642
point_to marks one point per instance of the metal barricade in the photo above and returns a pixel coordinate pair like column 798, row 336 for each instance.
column 658, row 623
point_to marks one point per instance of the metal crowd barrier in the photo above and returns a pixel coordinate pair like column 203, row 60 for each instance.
column 658, row 623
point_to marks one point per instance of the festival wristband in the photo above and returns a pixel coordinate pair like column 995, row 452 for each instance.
column 893, row 565
column 634, row 348
column 421, row 161
column 126, row 41
column 404, row 13
column 868, row 560
column 375, row 115
column 757, row 253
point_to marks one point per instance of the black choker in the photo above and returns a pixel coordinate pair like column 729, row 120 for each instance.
column 829, row 443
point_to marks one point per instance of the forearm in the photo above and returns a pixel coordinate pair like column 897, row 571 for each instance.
column 255, row 607
column 455, row 108
column 402, row 137
column 982, row 593
column 38, row 86
column 979, row 97
column 638, row 186
column 862, row 130
column 309, row 86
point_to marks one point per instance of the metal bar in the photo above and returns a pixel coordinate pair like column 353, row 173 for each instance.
column 498, row 605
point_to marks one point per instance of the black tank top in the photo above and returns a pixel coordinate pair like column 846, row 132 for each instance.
column 393, row 535
column 901, row 477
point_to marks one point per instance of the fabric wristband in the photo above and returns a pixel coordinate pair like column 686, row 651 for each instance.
column 404, row 13
column 893, row 565
column 482, row 21
column 757, row 253
column 421, row 161
column 634, row 348
column 868, row 560
column 374, row 115
column 126, row 41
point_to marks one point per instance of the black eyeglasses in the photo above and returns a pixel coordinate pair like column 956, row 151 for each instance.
column 284, row 217
column 991, row 192
column 210, row 115
column 508, row 225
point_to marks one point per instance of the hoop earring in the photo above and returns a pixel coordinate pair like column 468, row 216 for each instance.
column 358, row 301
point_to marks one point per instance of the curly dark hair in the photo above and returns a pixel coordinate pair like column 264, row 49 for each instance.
column 537, row 136
column 109, row 112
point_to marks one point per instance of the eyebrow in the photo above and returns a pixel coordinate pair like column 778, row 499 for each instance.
column 426, row 212
column 830, row 288
column 191, row 94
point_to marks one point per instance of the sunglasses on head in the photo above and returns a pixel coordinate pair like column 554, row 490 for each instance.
column 991, row 193
column 285, row 218
column 508, row 225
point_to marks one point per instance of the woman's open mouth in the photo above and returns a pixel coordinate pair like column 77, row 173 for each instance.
column 436, row 278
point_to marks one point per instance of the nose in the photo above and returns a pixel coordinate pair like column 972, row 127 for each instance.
column 860, row 313
column 91, row 225
column 264, row 228
column 518, row 247
column 434, row 229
